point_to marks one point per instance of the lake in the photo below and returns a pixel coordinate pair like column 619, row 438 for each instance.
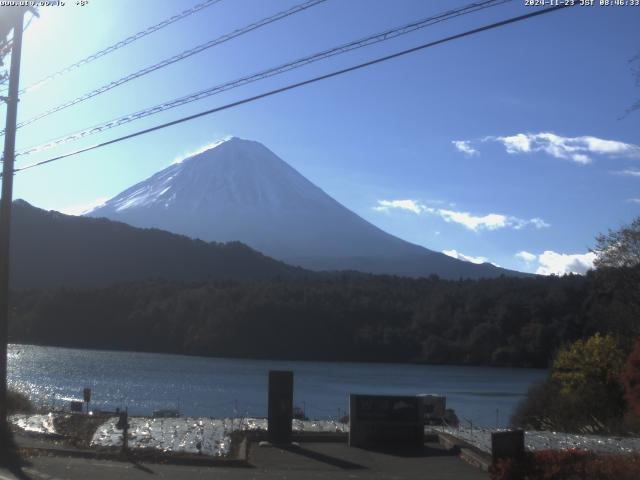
column 223, row 387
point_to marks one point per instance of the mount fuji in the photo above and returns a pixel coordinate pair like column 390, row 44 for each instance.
column 240, row 190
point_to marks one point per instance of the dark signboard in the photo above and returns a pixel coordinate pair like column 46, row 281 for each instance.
column 86, row 393
column 509, row 444
column 280, row 406
column 123, row 420
column 378, row 420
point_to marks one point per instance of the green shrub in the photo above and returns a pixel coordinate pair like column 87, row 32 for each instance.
column 583, row 392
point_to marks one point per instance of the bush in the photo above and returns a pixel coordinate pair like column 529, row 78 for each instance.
column 534, row 412
column 545, row 408
column 563, row 464
column 18, row 403
column 583, row 393
column 592, row 367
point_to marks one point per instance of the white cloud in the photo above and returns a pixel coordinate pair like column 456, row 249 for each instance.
column 515, row 144
column 551, row 262
column 466, row 258
column 82, row 208
column 576, row 149
column 465, row 147
column 491, row 221
column 539, row 223
column 609, row 147
column 629, row 172
column 580, row 158
column 410, row 205
column 633, row 200
column 526, row 257
column 554, row 263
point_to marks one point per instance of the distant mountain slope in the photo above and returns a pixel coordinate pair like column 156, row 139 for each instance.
column 240, row 190
column 52, row 249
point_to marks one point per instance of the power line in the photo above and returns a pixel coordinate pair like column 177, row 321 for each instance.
column 120, row 44
column 176, row 58
column 300, row 84
column 363, row 42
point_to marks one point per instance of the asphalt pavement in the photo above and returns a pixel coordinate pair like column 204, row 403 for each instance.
column 317, row 461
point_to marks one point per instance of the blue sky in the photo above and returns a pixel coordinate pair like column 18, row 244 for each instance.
column 511, row 146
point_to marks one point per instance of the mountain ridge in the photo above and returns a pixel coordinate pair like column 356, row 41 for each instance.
column 51, row 249
column 240, row 190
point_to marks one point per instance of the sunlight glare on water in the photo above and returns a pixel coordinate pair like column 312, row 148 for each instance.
column 222, row 387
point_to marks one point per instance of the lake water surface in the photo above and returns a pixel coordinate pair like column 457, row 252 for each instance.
column 222, row 387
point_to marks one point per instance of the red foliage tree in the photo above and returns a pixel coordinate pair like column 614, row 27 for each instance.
column 631, row 380
column 564, row 464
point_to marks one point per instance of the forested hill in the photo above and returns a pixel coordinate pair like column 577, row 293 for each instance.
column 503, row 321
column 51, row 249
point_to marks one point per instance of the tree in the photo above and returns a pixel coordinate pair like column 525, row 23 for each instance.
column 619, row 248
column 585, row 363
column 631, row 380
column 618, row 273
column 583, row 392
column 589, row 373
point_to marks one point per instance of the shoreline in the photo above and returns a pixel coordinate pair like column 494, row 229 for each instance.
column 279, row 359
column 212, row 437
column 220, row 437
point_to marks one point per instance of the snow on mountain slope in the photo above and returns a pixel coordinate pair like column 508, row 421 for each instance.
column 234, row 174
column 240, row 190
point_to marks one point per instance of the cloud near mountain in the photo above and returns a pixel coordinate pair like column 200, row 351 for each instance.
column 467, row 258
column 554, row 263
column 490, row 221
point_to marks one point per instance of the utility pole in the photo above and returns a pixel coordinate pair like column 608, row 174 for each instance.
column 5, row 213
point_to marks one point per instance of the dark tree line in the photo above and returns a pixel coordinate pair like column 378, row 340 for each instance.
column 503, row 321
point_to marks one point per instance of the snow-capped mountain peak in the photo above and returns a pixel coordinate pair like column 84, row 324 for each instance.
column 238, row 189
column 232, row 173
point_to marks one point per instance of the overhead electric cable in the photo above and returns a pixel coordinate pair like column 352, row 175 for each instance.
column 301, row 84
column 120, row 44
column 176, row 58
column 363, row 42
